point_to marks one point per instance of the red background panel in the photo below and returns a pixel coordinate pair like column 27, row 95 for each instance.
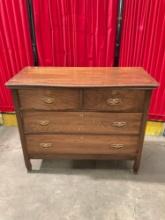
column 143, row 44
column 15, row 46
column 82, row 33
column 75, row 32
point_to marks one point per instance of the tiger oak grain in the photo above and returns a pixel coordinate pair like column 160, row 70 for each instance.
column 82, row 112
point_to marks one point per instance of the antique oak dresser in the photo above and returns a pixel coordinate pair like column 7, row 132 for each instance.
column 82, row 112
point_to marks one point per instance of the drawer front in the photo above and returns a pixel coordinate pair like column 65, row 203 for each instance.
column 105, row 99
column 81, row 144
column 49, row 99
column 82, row 122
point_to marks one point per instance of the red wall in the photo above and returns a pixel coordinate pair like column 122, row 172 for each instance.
column 143, row 44
column 75, row 32
column 15, row 46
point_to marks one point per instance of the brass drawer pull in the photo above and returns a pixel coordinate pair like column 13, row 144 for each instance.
column 117, row 146
column 119, row 124
column 44, row 122
column 113, row 101
column 48, row 100
column 46, row 145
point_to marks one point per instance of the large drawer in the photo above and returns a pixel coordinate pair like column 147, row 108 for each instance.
column 115, row 100
column 81, row 144
column 82, row 122
column 49, row 99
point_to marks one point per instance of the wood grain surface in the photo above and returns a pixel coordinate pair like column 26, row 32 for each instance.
column 81, row 144
column 103, row 99
column 82, row 112
column 46, row 99
column 83, row 77
column 82, row 122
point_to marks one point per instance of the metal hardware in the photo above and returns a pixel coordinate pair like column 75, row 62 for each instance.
column 46, row 145
column 114, row 101
column 117, row 146
column 44, row 122
column 48, row 100
column 119, row 124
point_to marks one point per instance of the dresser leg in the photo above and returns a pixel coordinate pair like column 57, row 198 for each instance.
column 28, row 165
column 136, row 166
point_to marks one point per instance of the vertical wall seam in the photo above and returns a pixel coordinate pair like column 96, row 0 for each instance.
column 32, row 31
column 118, row 32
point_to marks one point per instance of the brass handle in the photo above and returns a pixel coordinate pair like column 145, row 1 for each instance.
column 119, row 124
column 44, row 122
column 48, row 100
column 113, row 101
column 46, row 145
column 117, row 146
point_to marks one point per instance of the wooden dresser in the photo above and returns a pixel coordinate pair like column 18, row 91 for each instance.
column 82, row 112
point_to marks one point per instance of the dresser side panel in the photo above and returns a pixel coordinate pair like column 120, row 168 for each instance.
column 20, row 127
column 142, row 130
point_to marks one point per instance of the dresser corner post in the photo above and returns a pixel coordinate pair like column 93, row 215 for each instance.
column 137, row 160
column 20, row 127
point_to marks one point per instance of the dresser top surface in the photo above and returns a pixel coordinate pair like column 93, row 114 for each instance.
column 83, row 77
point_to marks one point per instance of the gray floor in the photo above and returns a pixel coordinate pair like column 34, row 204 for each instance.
column 78, row 190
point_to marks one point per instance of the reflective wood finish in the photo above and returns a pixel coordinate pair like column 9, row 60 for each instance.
column 83, row 77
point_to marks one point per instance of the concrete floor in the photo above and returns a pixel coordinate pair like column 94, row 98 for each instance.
column 67, row 190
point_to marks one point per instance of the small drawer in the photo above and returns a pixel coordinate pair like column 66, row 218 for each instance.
column 115, row 100
column 49, row 99
column 82, row 122
column 81, row 144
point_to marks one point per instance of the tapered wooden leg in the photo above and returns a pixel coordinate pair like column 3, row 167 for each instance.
column 136, row 166
column 28, row 165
